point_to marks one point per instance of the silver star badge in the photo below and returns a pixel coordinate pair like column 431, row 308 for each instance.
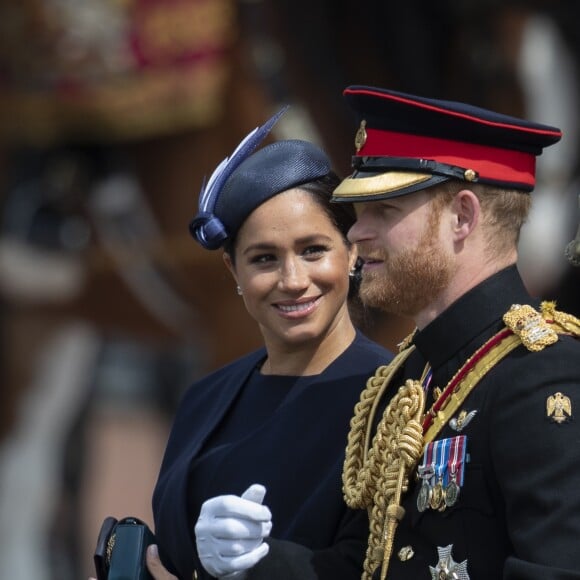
column 447, row 568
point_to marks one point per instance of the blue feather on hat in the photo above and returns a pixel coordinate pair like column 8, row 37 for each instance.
column 206, row 228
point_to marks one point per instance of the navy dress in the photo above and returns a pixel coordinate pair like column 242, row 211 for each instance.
column 237, row 427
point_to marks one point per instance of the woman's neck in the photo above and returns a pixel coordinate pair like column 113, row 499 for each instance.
column 310, row 358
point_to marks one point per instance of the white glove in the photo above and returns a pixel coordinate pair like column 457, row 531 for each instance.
column 230, row 532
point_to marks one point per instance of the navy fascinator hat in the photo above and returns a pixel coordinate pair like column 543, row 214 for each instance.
column 246, row 179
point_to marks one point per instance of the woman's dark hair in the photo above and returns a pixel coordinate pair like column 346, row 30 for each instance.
column 342, row 215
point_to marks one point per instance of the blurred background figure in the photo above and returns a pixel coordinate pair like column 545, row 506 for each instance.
column 111, row 112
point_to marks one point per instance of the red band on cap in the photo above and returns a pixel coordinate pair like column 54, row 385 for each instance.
column 502, row 165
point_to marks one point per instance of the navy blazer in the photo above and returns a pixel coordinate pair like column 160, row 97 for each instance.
column 297, row 453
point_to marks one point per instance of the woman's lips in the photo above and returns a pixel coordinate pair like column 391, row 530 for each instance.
column 297, row 309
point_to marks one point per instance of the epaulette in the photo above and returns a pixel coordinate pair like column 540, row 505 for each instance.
column 536, row 329
column 524, row 326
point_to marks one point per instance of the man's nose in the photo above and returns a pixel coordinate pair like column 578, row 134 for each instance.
column 360, row 230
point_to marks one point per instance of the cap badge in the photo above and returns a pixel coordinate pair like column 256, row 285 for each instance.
column 558, row 408
column 361, row 136
column 446, row 568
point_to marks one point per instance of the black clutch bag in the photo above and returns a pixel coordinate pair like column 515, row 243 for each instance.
column 120, row 551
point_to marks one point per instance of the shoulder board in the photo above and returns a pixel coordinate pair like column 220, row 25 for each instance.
column 536, row 329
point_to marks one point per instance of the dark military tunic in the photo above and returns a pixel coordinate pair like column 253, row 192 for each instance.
column 518, row 512
column 237, row 427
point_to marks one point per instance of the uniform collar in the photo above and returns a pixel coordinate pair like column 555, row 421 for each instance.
column 478, row 313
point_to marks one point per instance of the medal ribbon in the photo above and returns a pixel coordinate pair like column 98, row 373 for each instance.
column 427, row 461
column 456, row 463
column 441, row 454
column 427, row 379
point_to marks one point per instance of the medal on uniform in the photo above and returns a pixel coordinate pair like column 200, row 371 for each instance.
column 426, row 469
column 440, row 456
column 447, row 568
column 441, row 473
column 424, row 497
column 436, row 496
column 456, row 469
column 425, row 472
column 451, row 493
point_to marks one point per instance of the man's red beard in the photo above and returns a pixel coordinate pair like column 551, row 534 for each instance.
column 410, row 281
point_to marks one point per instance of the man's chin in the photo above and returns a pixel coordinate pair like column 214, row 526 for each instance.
column 372, row 294
column 383, row 295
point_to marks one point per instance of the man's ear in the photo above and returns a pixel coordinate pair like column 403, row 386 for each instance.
column 467, row 213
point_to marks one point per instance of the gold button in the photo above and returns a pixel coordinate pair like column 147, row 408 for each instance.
column 406, row 553
column 470, row 175
column 194, row 575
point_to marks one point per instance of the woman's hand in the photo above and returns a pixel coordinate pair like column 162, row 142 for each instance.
column 157, row 569
column 230, row 533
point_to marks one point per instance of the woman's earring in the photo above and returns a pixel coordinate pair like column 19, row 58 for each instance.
column 356, row 269
column 239, row 290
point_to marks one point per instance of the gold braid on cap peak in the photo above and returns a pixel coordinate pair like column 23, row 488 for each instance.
column 376, row 480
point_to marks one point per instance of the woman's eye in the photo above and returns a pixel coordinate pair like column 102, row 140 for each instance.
column 262, row 259
column 315, row 250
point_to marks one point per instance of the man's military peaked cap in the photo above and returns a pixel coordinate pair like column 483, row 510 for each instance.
column 407, row 143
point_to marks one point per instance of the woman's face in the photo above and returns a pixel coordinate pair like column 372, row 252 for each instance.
column 292, row 265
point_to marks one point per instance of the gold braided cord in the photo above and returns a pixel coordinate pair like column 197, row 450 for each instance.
column 468, row 383
column 568, row 323
column 404, row 446
column 376, row 474
column 356, row 488
column 378, row 481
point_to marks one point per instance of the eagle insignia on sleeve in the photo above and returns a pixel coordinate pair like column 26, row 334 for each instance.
column 558, row 408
